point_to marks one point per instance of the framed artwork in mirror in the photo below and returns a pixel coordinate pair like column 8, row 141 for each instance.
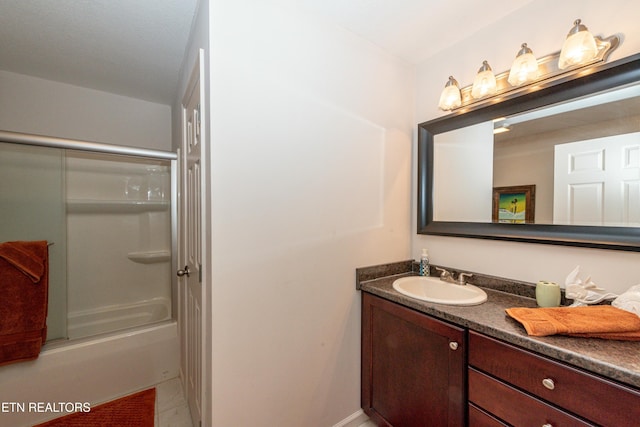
column 514, row 204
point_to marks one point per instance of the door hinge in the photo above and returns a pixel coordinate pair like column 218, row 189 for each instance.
column 200, row 273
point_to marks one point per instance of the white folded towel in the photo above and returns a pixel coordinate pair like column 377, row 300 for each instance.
column 629, row 300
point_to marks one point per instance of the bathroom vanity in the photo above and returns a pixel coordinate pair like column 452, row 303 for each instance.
column 432, row 364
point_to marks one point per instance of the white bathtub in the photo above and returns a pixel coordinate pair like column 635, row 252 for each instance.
column 89, row 323
column 91, row 370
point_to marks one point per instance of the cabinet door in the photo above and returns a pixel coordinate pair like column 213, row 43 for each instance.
column 413, row 367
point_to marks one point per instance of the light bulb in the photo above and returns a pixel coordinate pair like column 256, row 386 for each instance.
column 485, row 82
column 450, row 97
column 524, row 68
column 578, row 48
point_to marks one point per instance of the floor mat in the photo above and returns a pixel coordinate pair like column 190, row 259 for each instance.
column 135, row 410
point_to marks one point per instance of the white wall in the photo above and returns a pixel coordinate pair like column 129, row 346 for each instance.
column 43, row 107
column 311, row 139
column 543, row 24
column 463, row 173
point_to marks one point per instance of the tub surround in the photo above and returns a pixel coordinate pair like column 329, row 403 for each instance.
column 615, row 360
column 95, row 370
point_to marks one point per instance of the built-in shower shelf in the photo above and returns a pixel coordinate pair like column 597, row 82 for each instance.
column 116, row 206
column 149, row 257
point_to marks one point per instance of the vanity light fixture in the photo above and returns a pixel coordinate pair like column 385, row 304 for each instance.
column 485, row 82
column 489, row 88
column 450, row 96
column 579, row 47
column 524, row 68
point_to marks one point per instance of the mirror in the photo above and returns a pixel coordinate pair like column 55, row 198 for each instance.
column 551, row 177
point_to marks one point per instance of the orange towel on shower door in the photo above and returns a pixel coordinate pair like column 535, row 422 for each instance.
column 24, row 277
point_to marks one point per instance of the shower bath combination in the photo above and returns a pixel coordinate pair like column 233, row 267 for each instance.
column 109, row 215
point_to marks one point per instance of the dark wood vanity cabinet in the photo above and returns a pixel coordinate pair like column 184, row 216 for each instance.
column 420, row 371
column 512, row 386
column 413, row 367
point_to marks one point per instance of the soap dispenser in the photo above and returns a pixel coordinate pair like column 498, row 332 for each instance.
column 424, row 263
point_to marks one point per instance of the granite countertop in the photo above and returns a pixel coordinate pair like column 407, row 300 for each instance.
column 617, row 360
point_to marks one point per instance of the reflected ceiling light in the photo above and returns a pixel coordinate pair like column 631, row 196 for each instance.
column 578, row 48
column 485, row 82
column 501, row 129
column 524, row 68
column 450, row 97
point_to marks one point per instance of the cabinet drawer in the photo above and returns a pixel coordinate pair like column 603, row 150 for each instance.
column 596, row 399
column 479, row 418
column 513, row 406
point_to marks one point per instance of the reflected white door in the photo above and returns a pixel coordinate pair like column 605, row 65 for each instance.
column 191, row 244
column 597, row 182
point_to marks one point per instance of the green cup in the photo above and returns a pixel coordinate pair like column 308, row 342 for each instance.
column 547, row 294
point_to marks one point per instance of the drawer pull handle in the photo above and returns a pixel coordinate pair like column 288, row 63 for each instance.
column 453, row 345
column 548, row 383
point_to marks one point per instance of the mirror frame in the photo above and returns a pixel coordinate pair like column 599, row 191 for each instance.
column 585, row 82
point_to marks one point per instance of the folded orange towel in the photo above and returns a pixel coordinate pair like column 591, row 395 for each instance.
column 598, row 321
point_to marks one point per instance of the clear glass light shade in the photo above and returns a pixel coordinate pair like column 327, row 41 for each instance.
column 579, row 47
column 485, row 82
column 524, row 68
column 450, row 97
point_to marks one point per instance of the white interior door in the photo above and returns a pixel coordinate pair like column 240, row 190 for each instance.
column 597, row 182
column 190, row 272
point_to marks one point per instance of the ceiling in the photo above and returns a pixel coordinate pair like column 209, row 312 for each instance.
column 127, row 47
column 135, row 47
column 414, row 30
column 594, row 121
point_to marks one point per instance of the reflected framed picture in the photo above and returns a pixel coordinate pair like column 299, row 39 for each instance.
column 515, row 204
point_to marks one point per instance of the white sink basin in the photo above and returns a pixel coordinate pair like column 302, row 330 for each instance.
column 432, row 289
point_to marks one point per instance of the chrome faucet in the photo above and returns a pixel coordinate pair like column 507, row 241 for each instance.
column 446, row 276
column 461, row 278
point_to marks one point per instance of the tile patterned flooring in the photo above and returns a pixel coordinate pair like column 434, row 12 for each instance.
column 171, row 406
column 172, row 409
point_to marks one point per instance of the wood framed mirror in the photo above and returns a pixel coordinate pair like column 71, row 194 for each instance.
column 461, row 162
